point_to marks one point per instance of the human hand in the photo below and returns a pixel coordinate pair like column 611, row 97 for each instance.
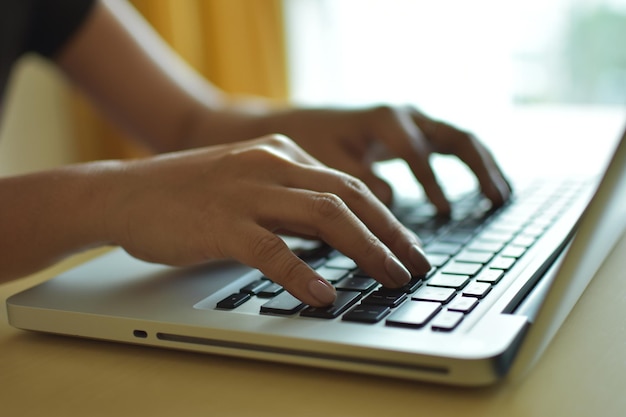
column 230, row 201
column 352, row 139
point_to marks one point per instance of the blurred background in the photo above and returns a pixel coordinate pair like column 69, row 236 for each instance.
column 515, row 73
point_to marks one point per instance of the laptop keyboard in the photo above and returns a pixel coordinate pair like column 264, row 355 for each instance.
column 470, row 251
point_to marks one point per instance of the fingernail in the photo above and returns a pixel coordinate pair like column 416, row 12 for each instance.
column 418, row 260
column 322, row 292
column 399, row 274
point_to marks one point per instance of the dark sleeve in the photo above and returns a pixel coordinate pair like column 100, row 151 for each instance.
column 53, row 23
column 40, row 26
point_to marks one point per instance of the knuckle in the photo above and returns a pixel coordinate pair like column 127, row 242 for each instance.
column 372, row 248
column 327, row 206
column 353, row 188
column 278, row 140
column 384, row 111
column 397, row 234
column 264, row 247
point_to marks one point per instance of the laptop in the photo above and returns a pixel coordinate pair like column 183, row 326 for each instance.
column 503, row 281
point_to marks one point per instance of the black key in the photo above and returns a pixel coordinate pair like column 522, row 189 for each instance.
column 331, row 274
column 314, row 256
column 271, row 290
column 385, row 298
column 255, row 286
column 284, row 303
column 412, row 285
column 408, row 288
column 413, row 314
column 361, row 284
column 344, row 300
column 233, row 301
column 364, row 313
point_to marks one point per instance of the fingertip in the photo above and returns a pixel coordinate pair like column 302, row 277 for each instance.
column 322, row 292
column 419, row 261
column 444, row 209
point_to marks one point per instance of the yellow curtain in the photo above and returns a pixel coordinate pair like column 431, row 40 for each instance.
column 237, row 44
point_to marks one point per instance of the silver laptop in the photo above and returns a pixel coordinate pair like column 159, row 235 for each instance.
column 502, row 283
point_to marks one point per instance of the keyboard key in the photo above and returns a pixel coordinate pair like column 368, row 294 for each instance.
column 233, row 301
column 448, row 281
column 474, row 257
column 460, row 237
column 331, row 274
column 463, row 304
column 447, row 321
column 344, row 300
column 461, row 268
column 495, row 236
column 341, row 262
column 364, row 313
column 271, row 290
column 255, row 287
column 413, row 314
column 441, row 295
column 501, row 262
column 477, row 289
column 525, row 241
column 361, row 284
column 316, row 256
column 284, row 303
column 409, row 288
column 491, row 276
column 436, row 259
column 442, row 248
column 512, row 251
column 485, row 246
column 412, row 285
column 385, row 298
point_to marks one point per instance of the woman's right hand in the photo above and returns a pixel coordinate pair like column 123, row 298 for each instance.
column 232, row 201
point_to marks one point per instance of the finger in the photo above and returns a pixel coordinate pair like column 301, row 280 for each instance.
column 342, row 211
column 449, row 140
column 268, row 253
column 406, row 140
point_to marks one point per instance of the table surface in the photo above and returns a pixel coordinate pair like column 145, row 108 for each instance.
column 582, row 373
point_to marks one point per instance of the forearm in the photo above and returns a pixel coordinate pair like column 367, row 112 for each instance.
column 48, row 215
column 140, row 83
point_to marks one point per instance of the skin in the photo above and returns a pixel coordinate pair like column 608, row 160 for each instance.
column 225, row 184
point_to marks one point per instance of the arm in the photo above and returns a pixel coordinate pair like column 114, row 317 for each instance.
column 189, row 207
column 120, row 61
column 46, row 216
column 139, row 82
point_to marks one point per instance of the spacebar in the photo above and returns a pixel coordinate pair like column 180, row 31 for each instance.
column 345, row 299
